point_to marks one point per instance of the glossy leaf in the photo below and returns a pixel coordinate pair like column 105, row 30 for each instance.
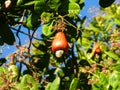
column 116, row 67
column 48, row 86
column 55, row 84
column 76, row 1
column 7, row 35
column 105, row 3
column 82, row 4
column 26, row 81
column 102, row 82
column 39, row 6
column 30, row 3
column 1, row 82
column 14, row 71
column 73, row 9
column 117, row 22
column 19, row 2
column 59, row 72
column 54, row 4
column 70, row 8
column 32, row 22
column 112, row 55
column 94, row 28
column 74, row 84
column 46, row 17
column 3, row 70
column 114, row 80
column 47, row 29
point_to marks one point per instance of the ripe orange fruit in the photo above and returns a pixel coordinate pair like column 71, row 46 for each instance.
column 96, row 49
column 59, row 42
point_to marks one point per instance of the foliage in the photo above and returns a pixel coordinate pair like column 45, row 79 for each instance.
column 84, row 66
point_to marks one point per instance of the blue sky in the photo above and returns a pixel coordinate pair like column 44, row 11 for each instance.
column 88, row 5
column 84, row 12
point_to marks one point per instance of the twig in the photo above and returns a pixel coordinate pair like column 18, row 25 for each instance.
column 21, row 21
column 30, row 39
column 70, row 24
column 25, row 34
column 22, row 18
column 17, row 34
column 19, row 41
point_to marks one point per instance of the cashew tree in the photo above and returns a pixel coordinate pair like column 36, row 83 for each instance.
column 69, row 52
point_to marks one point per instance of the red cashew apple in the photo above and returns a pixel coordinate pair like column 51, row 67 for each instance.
column 96, row 49
column 59, row 44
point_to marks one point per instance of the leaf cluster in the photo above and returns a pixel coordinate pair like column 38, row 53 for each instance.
column 79, row 68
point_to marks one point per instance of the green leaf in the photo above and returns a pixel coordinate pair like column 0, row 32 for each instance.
column 70, row 8
column 73, row 9
column 3, row 70
column 103, row 79
column 86, row 43
column 14, row 70
column 76, row 1
column 28, row 83
column 102, row 83
column 39, row 6
column 30, row 3
column 32, row 21
column 81, row 3
column 74, row 84
column 116, row 67
column 55, row 84
column 47, row 29
column 112, row 55
column 105, row 3
column 48, row 86
column 1, row 82
column 117, row 21
column 46, row 17
column 94, row 28
column 2, row 60
column 19, row 2
column 6, row 35
column 59, row 72
column 54, row 4
column 114, row 80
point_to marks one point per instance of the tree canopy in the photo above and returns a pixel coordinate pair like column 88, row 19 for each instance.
column 71, row 53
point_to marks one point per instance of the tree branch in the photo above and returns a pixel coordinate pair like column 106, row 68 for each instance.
column 17, row 34
column 25, row 33
column 30, row 39
column 19, row 41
